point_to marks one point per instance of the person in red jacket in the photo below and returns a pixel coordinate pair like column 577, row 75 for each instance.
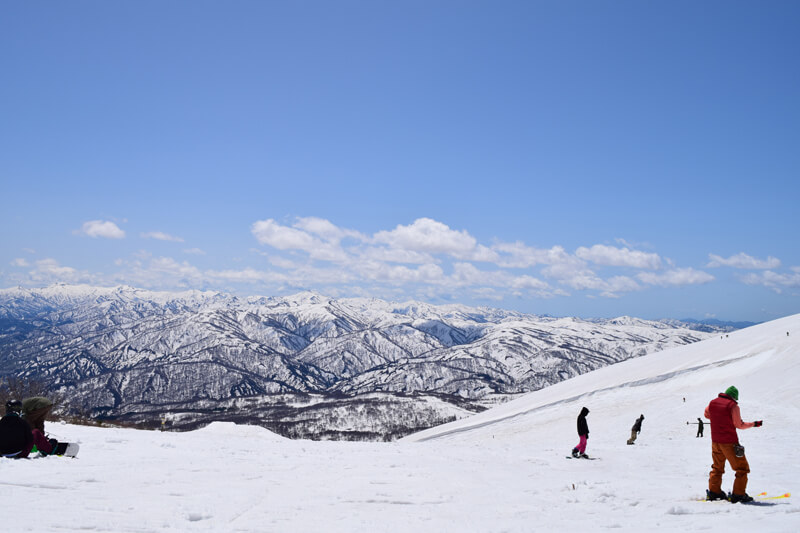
column 723, row 411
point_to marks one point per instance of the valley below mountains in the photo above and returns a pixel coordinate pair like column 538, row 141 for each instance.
column 304, row 366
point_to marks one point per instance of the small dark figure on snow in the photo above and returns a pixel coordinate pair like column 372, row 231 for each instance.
column 726, row 418
column 15, row 434
column 699, row 428
column 636, row 429
column 583, row 433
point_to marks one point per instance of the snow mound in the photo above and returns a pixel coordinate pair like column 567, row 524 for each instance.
column 231, row 430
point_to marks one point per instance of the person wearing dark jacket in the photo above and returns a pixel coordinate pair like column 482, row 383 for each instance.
column 723, row 411
column 34, row 411
column 699, row 428
column 583, row 434
column 15, row 434
column 636, row 429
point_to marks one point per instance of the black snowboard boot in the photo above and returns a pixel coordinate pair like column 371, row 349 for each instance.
column 741, row 498
column 575, row 452
column 711, row 496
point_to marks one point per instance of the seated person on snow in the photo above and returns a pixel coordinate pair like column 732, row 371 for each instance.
column 34, row 411
column 16, row 437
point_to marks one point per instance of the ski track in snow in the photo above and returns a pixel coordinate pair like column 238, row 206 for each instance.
column 501, row 470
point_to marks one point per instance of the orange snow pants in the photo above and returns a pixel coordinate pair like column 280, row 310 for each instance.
column 719, row 454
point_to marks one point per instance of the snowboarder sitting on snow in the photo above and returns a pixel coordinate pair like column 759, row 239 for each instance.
column 636, row 429
column 583, row 433
column 15, row 434
column 725, row 418
column 34, row 411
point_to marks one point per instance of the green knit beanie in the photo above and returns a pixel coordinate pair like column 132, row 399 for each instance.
column 733, row 392
column 30, row 405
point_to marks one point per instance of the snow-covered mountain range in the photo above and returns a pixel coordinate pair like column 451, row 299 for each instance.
column 291, row 363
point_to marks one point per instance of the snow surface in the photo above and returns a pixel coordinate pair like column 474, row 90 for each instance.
column 502, row 470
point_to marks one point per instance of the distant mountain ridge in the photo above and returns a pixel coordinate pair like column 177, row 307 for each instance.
column 132, row 354
column 726, row 325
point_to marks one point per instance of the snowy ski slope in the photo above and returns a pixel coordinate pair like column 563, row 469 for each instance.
column 502, row 470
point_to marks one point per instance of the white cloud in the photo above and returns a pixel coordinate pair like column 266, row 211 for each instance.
column 467, row 274
column 248, row 275
column 483, row 254
column 161, row 273
column 633, row 245
column 194, row 251
column 582, row 279
column 612, row 256
column 326, row 230
column 400, row 274
column 169, row 266
column 51, row 267
column 742, row 260
column 282, row 237
column 282, row 262
column 676, row 278
column 569, row 268
column 573, row 272
column 20, row 262
column 311, row 276
column 414, row 244
column 102, row 228
column 520, row 255
column 330, row 252
column 424, row 257
column 618, row 284
column 431, row 236
column 774, row 280
column 393, row 255
column 51, row 271
column 161, row 236
column 488, row 293
column 528, row 283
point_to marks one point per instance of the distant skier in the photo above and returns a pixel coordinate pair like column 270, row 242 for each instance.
column 726, row 418
column 699, row 428
column 583, row 433
column 15, row 434
column 636, row 429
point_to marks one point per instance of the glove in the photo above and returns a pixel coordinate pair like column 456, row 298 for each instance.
column 758, row 423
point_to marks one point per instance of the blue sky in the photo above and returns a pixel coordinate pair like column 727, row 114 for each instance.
column 572, row 158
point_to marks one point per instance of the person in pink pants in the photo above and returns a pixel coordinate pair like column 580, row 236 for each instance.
column 583, row 433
